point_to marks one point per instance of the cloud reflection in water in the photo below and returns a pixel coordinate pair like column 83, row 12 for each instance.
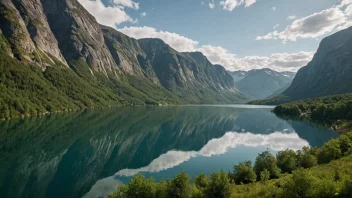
column 276, row 141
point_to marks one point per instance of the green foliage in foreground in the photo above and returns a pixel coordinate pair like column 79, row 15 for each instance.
column 316, row 173
column 329, row 107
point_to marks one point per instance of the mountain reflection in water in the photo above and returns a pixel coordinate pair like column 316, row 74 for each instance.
column 89, row 153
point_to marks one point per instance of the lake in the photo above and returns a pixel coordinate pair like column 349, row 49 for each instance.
column 89, row 153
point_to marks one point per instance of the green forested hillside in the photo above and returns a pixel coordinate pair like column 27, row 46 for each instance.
column 55, row 56
column 27, row 90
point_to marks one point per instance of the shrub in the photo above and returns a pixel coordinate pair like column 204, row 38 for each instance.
column 201, row 181
column 300, row 185
column 330, row 151
column 265, row 175
column 141, row 187
column 179, row 186
column 324, row 189
column 345, row 142
column 265, row 160
column 306, row 157
column 244, row 173
column 286, row 160
column 219, row 186
column 346, row 190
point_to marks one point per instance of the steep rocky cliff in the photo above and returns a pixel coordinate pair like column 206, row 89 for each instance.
column 85, row 64
column 189, row 75
column 330, row 71
column 79, row 34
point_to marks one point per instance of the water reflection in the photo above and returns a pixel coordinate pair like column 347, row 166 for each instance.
column 89, row 153
column 276, row 141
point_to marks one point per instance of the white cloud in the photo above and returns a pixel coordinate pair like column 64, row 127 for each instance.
column 278, row 61
column 219, row 55
column 211, row 5
column 276, row 26
column 108, row 15
column 176, row 41
column 143, row 14
column 291, row 17
column 127, row 3
column 344, row 3
column 315, row 25
column 274, row 8
column 229, row 5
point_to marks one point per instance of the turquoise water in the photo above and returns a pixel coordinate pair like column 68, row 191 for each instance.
column 89, row 153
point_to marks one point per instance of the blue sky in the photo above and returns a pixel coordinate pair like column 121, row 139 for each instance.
column 239, row 34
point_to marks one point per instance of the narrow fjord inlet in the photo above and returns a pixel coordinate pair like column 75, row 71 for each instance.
column 175, row 99
column 89, row 153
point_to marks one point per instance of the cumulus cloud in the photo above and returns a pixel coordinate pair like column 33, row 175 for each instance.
column 278, row 61
column 315, row 25
column 211, row 5
column 219, row 55
column 127, row 3
column 115, row 14
column 229, row 5
column 176, row 41
column 276, row 26
column 277, row 141
column 111, row 15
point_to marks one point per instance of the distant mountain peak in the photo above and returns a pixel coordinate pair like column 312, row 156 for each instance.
column 261, row 83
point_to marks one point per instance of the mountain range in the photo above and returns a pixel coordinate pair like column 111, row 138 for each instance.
column 56, row 57
column 329, row 73
column 262, row 83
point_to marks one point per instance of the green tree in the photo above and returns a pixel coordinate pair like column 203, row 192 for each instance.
column 265, row 175
column 346, row 190
column 324, row 188
column 121, row 192
column 300, row 185
column 201, row 181
column 266, row 160
column 244, row 173
column 306, row 157
column 161, row 189
column 345, row 142
column 330, row 151
column 179, row 186
column 286, row 160
column 219, row 186
column 139, row 186
column 307, row 161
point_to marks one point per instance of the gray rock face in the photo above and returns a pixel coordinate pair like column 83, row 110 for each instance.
column 330, row 71
column 49, row 31
column 38, row 27
column 189, row 75
column 128, row 55
column 79, row 35
column 14, row 29
column 215, row 75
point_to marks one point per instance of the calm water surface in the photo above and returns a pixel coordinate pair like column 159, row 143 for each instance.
column 87, row 154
